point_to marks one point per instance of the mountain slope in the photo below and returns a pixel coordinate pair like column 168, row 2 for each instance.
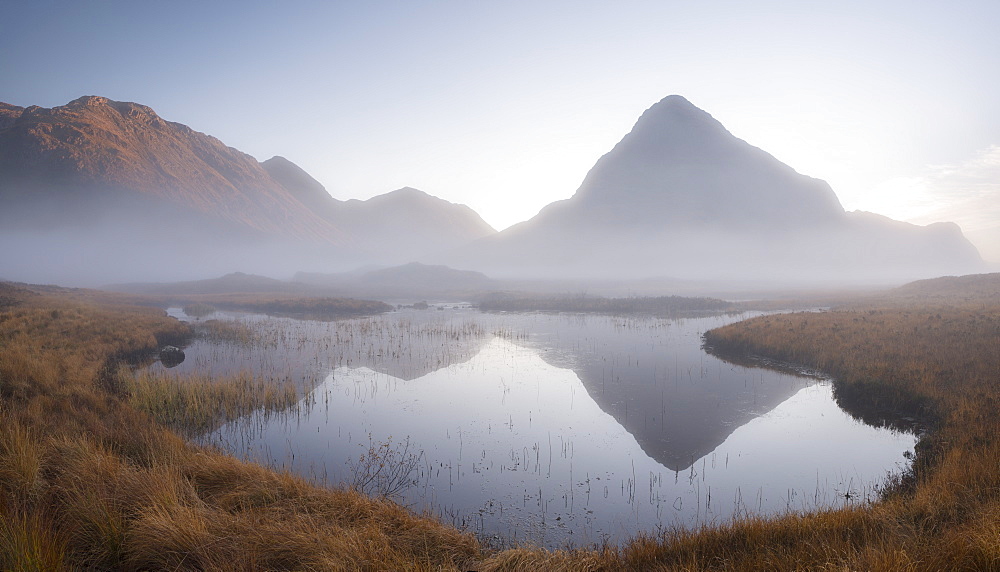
column 977, row 288
column 93, row 149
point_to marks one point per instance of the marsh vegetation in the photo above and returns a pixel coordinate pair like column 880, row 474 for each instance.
column 91, row 479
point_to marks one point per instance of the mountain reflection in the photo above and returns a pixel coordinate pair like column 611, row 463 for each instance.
column 650, row 375
column 655, row 379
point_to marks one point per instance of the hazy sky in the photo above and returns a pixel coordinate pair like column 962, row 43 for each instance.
column 504, row 106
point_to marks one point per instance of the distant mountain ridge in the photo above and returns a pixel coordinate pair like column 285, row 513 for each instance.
column 411, row 281
column 107, row 188
column 426, row 224
column 429, row 224
column 396, row 227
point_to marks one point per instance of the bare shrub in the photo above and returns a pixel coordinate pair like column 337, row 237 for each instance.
column 385, row 469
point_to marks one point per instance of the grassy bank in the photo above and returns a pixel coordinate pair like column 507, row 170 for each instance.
column 933, row 367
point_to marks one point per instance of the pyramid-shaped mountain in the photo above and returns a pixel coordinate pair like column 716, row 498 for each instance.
column 680, row 196
column 680, row 167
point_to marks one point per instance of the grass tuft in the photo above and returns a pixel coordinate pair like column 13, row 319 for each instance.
column 30, row 542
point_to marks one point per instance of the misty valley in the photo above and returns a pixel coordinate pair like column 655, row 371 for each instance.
column 549, row 429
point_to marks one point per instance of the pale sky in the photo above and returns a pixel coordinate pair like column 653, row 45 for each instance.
column 504, row 106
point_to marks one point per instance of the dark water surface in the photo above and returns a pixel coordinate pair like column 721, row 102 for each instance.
column 553, row 429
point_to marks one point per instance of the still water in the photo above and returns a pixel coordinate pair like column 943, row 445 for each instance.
column 556, row 430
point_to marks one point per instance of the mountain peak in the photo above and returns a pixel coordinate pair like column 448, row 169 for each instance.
column 131, row 111
column 88, row 100
column 679, row 165
column 9, row 114
column 674, row 125
column 410, row 192
column 680, row 195
column 676, row 104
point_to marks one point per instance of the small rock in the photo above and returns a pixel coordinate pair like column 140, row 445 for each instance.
column 171, row 356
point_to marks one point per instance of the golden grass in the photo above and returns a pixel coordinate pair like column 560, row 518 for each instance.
column 29, row 542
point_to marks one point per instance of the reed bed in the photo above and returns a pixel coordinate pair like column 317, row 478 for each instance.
column 196, row 404
column 198, row 310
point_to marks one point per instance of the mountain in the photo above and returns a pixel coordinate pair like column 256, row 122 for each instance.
column 99, row 191
column 304, row 188
column 680, row 167
column 93, row 152
column 681, row 196
column 393, row 228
